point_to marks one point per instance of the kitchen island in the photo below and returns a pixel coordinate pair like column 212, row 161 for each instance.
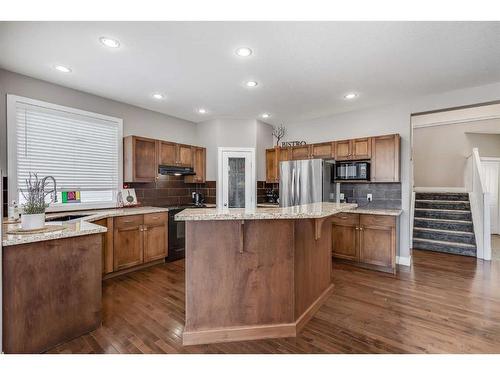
column 254, row 274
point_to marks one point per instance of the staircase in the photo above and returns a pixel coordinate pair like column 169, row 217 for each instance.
column 443, row 222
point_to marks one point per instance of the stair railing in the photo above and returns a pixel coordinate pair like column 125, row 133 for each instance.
column 479, row 201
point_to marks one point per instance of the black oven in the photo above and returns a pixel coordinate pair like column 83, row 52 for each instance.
column 353, row 171
column 176, row 236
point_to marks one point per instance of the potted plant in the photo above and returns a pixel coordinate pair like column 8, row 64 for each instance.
column 33, row 215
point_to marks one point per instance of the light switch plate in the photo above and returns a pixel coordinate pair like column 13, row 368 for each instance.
column 341, row 196
column 369, row 197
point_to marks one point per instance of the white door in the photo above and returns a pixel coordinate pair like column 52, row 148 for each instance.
column 236, row 185
column 491, row 172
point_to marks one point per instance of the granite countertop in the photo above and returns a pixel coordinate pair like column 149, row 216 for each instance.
column 93, row 215
column 378, row 211
column 73, row 228
column 306, row 211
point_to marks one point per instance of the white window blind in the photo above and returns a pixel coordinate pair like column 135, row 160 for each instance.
column 81, row 151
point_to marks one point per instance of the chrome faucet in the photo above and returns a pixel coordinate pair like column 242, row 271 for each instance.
column 53, row 192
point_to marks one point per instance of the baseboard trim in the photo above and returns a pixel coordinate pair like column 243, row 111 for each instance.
column 311, row 310
column 439, row 189
column 239, row 334
column 404, row 261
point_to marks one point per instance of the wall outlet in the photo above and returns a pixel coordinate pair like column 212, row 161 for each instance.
column 369, row 197
column 341, row 196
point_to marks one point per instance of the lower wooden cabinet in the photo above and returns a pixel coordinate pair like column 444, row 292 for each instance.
column 128, row 242
column 368, row 240
column 132, row 241
column 155, row 236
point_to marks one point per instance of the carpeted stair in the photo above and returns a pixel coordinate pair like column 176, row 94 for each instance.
column 443, row 222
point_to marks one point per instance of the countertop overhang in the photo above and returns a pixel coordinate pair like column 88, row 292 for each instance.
column 305, row 211
column 74, row 228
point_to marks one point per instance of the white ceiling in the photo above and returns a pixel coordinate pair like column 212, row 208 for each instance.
column 303, row 68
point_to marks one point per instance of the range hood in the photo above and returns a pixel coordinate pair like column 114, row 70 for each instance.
column 173, row 170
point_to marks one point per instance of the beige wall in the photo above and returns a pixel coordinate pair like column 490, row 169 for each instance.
column 136, row 121
column 440, row 152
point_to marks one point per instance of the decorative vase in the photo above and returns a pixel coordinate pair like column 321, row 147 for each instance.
column 32, row 221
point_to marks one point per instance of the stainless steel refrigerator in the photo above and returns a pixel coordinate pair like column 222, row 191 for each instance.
column 305, row 181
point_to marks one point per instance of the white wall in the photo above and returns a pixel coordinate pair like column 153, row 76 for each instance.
column 234, row 133
column 136, row 121
column 394, row 118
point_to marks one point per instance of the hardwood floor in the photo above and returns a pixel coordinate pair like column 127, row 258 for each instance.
column 443, row 304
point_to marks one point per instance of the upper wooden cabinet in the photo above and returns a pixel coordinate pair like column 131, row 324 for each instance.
column 385, row 166
column 343, row 150
column 167, row 153
column 272, row 169
column 382, row 151
column 139, row 159
column 170, row 153
column 300, row 152
column 353, row 149
column 361, row 149
column 322, row 150
column 199, row 166
column 142, row 156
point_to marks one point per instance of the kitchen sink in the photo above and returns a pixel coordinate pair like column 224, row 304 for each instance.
column 65, row 218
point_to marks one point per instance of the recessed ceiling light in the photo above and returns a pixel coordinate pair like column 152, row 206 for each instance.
column 251, row 84
column 109, row 42
column 62, row 68
column 158, row 96
column 244, row 51
column 350, row 95
column 202, row 110
column 265, row 115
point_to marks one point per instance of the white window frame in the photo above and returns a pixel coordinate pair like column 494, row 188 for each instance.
column 12, row 101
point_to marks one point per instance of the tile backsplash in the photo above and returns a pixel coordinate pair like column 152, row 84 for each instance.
column 173, row 191
column 384, row 195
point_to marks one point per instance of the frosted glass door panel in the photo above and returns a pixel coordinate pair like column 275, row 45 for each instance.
column 236, row 182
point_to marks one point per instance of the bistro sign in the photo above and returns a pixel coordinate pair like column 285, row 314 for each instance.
column 293, row 143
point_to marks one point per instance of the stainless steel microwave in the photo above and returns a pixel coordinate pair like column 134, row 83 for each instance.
column 353, row 170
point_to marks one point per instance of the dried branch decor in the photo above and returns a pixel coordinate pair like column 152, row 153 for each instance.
column 34, row 194
column 279, row 132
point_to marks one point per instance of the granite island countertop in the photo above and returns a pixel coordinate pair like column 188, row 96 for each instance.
column 305, row 211
column 73, row 228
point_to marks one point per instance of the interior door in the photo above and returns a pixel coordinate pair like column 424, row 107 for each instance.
column 491, row 172
column 238, row 190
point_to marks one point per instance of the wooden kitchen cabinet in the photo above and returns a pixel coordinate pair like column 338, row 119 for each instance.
column 385, row 165
column 184, row 155
column 107, row 245
column 175, row 154
column 139, row 239
column 322, row 150
column 345, row 236
column 369, row 241
column 377, row 240
column 199, row 166
column 139, row 159
column 343, row 150
column 273, row 158
column 300, row 152
column 361, row 149
column 155, row 236
column 167, row 153
column 272, row 169
column 128, row 242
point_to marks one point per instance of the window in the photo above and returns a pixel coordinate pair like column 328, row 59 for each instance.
column 81, row 150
